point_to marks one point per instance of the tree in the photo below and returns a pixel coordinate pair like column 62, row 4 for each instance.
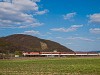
column 5, row 49
column 18, row 53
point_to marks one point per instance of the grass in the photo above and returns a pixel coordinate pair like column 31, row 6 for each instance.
column 51, row 66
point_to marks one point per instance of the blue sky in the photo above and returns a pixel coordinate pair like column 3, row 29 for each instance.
column 72, row 23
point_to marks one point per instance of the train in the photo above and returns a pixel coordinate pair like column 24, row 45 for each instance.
column 60, row 54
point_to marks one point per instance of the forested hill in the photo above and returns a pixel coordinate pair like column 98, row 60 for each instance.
column 24, row 42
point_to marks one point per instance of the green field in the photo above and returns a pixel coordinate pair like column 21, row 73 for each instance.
column 50, row 66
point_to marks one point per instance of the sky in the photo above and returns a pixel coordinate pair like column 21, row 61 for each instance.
column 72, row 23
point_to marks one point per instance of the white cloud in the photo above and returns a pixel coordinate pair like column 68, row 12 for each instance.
column 76, row 38
column 70, row 29
column 94, row 18
column 49, row 33
column 59, row 37
column 42, row 12
column 59, row 29
column 79, row 38
column 98, row 38
column 32, row 25
column 19, row 14
column 68, row 43
column 69, row 16
column 31, row 32
column 36, row 0
column 95, row 30
column 35, row 32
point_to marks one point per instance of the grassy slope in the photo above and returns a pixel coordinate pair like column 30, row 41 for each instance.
column 51, row 66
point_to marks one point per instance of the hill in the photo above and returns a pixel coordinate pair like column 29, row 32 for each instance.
column 24, row 42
